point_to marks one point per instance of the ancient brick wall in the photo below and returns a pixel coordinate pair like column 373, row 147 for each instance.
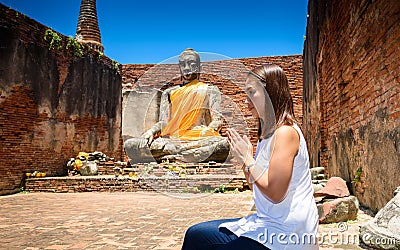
column 53, row 103
column 229, row 76
column 352, row 94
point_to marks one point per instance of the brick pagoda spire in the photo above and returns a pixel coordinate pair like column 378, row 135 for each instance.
column 88, row 31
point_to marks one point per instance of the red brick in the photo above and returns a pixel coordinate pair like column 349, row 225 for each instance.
column 36, row 133
column 357, row 44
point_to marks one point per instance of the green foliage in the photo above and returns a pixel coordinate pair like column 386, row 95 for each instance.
column 23, row 191
column 115, row 66
column 54, row 40
column 75, row 46
column 100, row 55
column 221, row 189
column 357, row 175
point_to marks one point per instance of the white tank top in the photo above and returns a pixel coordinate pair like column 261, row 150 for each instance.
column 290, row 224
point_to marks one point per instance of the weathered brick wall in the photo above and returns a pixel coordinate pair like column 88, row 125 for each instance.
column 228, row 75
column 152, row 184
column 53, row 104
column 352, row 94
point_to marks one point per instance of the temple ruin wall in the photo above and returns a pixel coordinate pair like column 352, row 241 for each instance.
column 53, row 104
column 352, row 93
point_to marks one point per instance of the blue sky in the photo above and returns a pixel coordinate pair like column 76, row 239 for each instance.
column 153, row 31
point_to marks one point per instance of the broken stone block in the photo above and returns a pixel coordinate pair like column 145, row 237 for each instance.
column 335, row 187
column 322, row 182
column 316, row 171
column 317, row 187
column 383, row 231
column 89, row 168
column 338, row 210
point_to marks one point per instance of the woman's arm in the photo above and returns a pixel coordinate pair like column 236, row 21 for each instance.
column 275, row 182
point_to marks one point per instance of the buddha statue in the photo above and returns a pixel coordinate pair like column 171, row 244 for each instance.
column 190, row 120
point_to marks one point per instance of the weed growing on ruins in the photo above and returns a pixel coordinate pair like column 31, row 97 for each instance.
column 54, row 40
column 220, row 189
column 115, row 66
column 75, row 46
column 357, row 175
column 100, row 55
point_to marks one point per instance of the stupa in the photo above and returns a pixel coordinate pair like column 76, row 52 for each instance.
column 87, row 30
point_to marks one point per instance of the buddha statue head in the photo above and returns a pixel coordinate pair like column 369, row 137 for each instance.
column 189, row 65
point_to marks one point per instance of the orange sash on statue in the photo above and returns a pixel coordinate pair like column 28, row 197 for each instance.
column 186, row 105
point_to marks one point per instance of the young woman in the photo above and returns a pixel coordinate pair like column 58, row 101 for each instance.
column 279, row 176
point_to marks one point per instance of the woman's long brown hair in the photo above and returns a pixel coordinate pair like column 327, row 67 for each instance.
column 276, row 84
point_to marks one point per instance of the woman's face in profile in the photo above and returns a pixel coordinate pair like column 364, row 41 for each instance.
column 255, row 96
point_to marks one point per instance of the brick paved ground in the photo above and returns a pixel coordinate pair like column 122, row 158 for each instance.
column 116, row 220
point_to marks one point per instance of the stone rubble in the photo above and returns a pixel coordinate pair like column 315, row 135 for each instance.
column 86, row 164
column 334, row 202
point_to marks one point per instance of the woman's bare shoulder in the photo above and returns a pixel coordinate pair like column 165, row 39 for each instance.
column 287, row 134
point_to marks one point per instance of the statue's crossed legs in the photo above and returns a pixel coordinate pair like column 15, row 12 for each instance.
column 212, row 148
